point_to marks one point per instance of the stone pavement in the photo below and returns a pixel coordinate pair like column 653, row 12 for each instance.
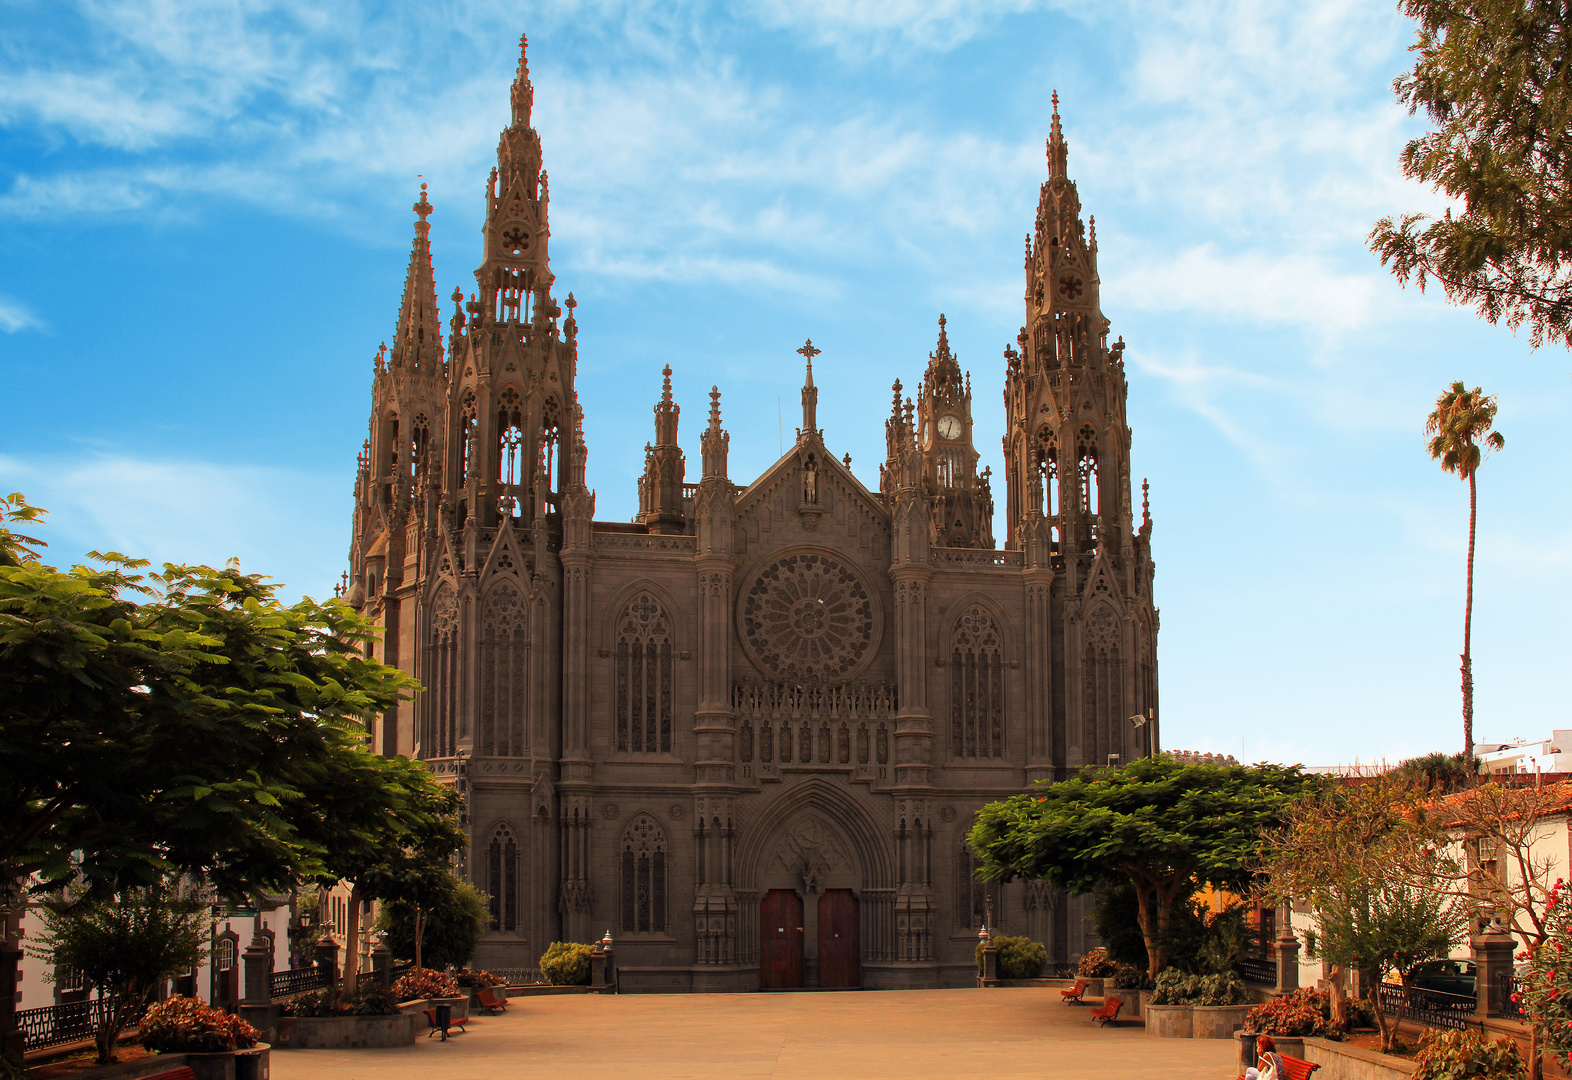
column 899, row 1035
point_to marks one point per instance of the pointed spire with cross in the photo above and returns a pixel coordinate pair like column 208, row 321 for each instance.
column 810, row 394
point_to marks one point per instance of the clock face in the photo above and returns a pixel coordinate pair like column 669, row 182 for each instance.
column 950, row 427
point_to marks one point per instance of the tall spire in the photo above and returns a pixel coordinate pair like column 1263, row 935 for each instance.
column 666, row 413
column 523, row 91
column 417, row 340
column 810, row 394
column 1058, row 152
column 944, row 371
column 715, row 440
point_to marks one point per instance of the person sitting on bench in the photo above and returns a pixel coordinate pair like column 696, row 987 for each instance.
column 1268, row 1066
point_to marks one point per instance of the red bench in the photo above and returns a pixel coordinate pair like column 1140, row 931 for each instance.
column 1075, row 992
column 453, row 1022
column 1294, row 1068
column 1297, row 1068
column 491, row 1001
column 182, row 1073
column 1109, row 1011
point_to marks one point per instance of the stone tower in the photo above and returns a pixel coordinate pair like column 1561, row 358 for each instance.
column 748, row 730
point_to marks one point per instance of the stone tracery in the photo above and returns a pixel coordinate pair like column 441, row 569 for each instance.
column 807, row 616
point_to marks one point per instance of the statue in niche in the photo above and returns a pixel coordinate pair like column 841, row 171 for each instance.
column 810, row 481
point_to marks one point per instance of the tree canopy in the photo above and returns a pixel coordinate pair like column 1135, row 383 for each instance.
column 173, row 721
column 1367, row 858
column 1495, row 79
column 1165, row 826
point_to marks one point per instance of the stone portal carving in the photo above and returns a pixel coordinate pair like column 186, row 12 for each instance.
column 813, row 851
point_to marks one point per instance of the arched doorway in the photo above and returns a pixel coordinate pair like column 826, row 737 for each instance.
column 840, row 953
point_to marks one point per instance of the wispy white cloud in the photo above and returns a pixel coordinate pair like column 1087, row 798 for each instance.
column 185, row 511
column 1266, row 287
column 14, row 316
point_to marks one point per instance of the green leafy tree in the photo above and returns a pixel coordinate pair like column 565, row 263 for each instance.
column 440, row 931
column 1366, row 858
column 124, row 946
column 383, row 825
column 1493, row 78
column 1163, row 826
column 1460, row 437
column 177, row 722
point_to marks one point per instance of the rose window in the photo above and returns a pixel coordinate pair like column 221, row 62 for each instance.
column 806, row 616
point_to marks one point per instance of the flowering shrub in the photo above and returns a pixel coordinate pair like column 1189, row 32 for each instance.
column 567, row 963
column 1545, row 991
column 1456, row 1055
column 371, row 999
column 190, row 1025
column 467, row 977
column 1306, row 1011
column 425, row 983
column 1095, row 965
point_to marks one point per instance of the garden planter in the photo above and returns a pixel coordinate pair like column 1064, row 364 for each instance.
column 1131, row 999
column 345, row 1032
column 1218, row 1021
column 249, row 1064
column 1170, row 1021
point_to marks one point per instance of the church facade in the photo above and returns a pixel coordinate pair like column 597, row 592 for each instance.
column 749, row 731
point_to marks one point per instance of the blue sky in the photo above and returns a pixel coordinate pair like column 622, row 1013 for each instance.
column 204, row 224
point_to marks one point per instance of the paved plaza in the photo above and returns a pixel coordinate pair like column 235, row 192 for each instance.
column 900, row 1035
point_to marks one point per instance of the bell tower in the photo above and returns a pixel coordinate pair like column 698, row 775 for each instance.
column 961, row 501
column 1067, row 443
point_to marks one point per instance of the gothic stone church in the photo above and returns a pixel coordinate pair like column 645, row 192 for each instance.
column 748, row 732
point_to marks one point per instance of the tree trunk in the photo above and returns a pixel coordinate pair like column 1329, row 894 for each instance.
column 420, row 933
column 1337, row 994
column 1151, row 923
column 1370, row 982
column 1468, row 624
column 351, row 964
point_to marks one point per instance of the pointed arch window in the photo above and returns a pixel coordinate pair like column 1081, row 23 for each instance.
column 1086, row 469
column 645, row 672
column 504, row 657
column 468, row 430
column 976, row 686
column 972, row 893
column 419, row 437
column 438, row 706
column 502, row 879
column 510, row 452
column 1102, row 692
column 644, row 875
column 549, row 466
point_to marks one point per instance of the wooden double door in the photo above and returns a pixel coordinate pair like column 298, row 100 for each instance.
column 782, row 937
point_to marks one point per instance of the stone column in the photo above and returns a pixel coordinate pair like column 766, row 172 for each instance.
column 327, row 958
column 1287, row 952
column 256, row 1000
column 382, row 963
column 1492, row 952
column 990, row 965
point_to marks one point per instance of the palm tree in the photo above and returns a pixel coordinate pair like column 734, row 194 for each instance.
column 1459, row 425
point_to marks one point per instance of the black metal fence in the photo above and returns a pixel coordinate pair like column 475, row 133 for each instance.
column 283, row 984
column 1257, row 969
column 1511, row 998
column 73, row 1021
column 518, row 976
column 1433, row 1008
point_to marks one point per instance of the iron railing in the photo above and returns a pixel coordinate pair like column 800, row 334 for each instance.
column 282, row 984
column 1433, row 1008
column 518, row 976
column 72, row 1021
column 1511, row 997
column 1257, row 969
